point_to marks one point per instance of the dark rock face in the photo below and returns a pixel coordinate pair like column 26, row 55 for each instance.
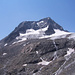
column 26, row 60
column 50, row 31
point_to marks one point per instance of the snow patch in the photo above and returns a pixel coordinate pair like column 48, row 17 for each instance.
column 4, row 54
column 32, row 34
column 14, row 42
column 43, row 62
column 37, row 52
column 70, row 50
column 45, row 36
column 29, row 30
column 23, row 39
column 24, row 64
column 24, row 45
column 40, row 22
column 6, row 44
column 59, row 34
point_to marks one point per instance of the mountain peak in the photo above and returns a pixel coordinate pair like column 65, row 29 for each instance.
column 39, row 28
column 36, row 46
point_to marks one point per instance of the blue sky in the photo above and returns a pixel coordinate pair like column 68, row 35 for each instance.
column 12, row 12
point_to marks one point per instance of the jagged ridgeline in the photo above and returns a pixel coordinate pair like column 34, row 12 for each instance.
column 34, row 29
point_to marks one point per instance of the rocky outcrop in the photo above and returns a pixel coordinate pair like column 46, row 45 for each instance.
column 38, row 57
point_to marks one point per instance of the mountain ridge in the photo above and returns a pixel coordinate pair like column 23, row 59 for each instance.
column 23, row 26
column 38, row 48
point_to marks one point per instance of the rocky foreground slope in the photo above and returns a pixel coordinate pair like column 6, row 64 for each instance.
column 42, row 48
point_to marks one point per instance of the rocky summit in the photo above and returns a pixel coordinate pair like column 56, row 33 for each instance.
column 38, row 48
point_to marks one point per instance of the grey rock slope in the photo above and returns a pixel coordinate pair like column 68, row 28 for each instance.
column 45, row 56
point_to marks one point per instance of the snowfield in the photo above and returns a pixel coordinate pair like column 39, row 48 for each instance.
column 40, row 33
column 58, row 34
column 31, row 34
column 70, row 50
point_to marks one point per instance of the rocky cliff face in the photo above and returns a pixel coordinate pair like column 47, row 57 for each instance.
column 50, row 52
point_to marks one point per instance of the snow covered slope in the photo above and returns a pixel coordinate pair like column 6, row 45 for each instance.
column 58, row 34
column 40, row 34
